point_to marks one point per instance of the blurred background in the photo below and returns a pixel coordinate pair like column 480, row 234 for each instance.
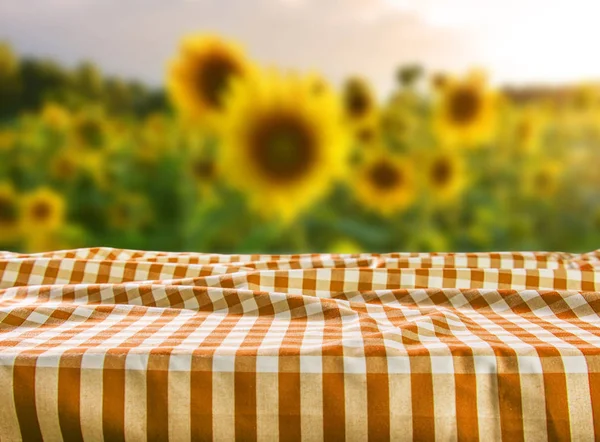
column 288, row 126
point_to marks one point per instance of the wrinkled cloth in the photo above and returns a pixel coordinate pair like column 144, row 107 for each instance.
column 110, row 344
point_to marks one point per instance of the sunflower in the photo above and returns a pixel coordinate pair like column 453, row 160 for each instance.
column 7, row 140
column 155, row 125
column 439, row 81
column 156, row 129
column 368, row 134
column 543, row 180
column 156, row 136
column 444, row 176
column 282, row 144
column 129, row 211
column 9, row 214
column 92, row 139
column 42, row 211
column 398, row 123
column 204, row 171
column 584, row 98
column 56, row 117
column 200, row 77
column 199, row 156
column 529, row 130
column 466, row 112
column 359, row 101
column 582, row 110
column 90, row 130
column 65, row 165
column 319, row 84
column 385, row 183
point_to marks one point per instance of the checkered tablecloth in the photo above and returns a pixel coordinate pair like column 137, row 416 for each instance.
column 107, row 344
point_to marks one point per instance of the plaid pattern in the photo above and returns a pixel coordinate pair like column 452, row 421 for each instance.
column 107, row 344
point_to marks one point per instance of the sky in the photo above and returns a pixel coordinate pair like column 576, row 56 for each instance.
column 518, row 41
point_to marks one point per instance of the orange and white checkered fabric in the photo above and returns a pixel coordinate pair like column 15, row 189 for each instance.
column 107, row 344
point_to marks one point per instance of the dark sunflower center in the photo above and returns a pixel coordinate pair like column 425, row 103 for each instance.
column 400, row 126
column 214, row 77
column 91, row 132
column 524, row 131
column 542, row 181
column 357, row 100
column 366, row 135
column 123, row 213
column 41, row 211
column 441, row 173
column 464, row 105
column 65, row 167
column 582, row 101
column 283, row 147
column 396, row 125
column 440, row 81
column 203, row 169
column 8, row 211
column 385, row 176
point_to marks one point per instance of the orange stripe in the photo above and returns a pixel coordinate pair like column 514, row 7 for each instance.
column 201, row 399
column 378, row 406
column 557, row 406
column 201, row 379
column 113, row 398
column 511, row 411
column 245, row 405
column 334, row 407
column 289, row 382
column 378, row 388
column 69, row 385
column 466, row 406
column 422, row 406
column 157, row 400
column 24, row 395
column 160, row 359
column 290, row 424
column 334, row 395
column 25, row 272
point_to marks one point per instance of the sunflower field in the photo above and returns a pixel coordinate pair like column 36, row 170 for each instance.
column 235, row 157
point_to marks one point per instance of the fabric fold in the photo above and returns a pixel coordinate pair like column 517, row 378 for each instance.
column 121, row 344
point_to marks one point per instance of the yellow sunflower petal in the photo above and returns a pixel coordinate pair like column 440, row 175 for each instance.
column 445, row 177
column 282, row 144
column 200, row 77
column 385, row 184
column 42, row 210
column 466, row 113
